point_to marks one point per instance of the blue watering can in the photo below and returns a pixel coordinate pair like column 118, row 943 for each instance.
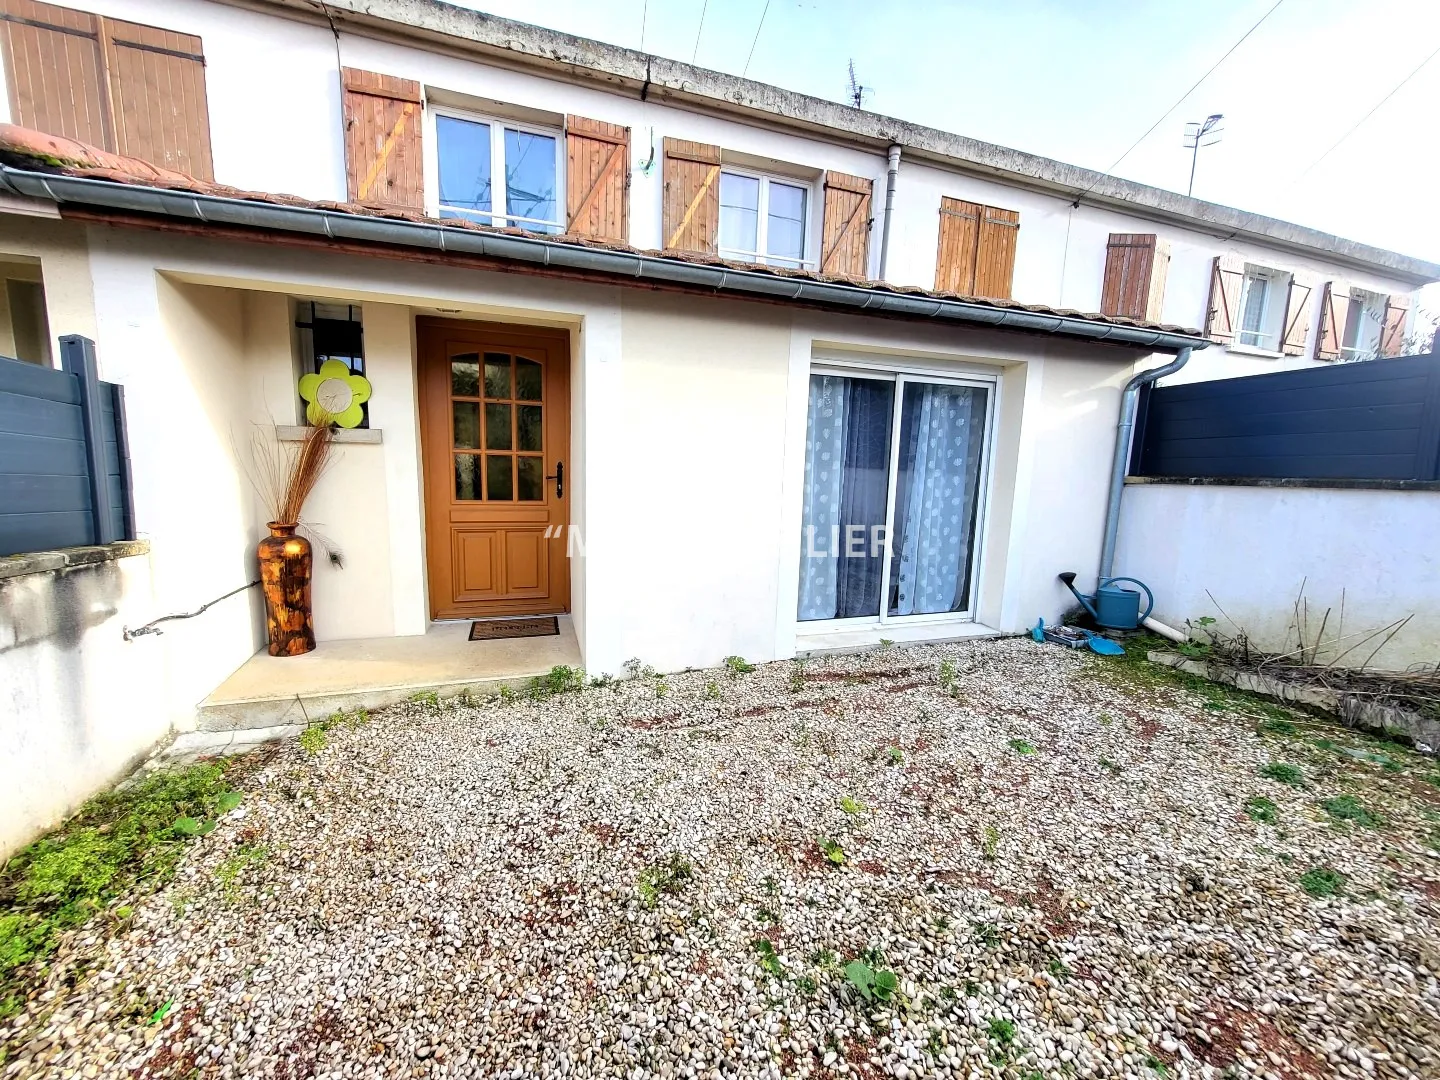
column 1113, row 607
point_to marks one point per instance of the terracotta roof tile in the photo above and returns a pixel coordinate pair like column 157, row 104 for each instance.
column 55, row 153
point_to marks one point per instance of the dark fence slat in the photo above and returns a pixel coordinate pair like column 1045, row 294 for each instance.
column 45, row 532
column 1376, row 420
column 44, row 494
column 41, row 456
column 24, row 415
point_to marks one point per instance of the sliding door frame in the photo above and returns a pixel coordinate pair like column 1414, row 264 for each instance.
column 899, row 373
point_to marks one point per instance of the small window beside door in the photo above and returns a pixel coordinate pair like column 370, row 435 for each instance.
column 331, row 332
column 763, row 219
column 498, row 172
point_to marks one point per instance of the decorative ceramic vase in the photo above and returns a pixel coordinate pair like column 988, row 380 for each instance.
column 285, row 565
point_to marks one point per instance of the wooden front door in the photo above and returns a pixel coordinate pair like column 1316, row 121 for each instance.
column 495, row 433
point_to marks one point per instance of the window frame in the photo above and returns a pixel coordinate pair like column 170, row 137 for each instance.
column 499, row 214
column 1371, row 304
column 809, row 259
column 899, row 372
column 1270, row 337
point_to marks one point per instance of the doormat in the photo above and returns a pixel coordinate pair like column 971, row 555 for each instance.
column 542, row 626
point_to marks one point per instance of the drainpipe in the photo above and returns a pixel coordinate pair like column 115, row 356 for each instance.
column 892, row 170
column 1125, row 430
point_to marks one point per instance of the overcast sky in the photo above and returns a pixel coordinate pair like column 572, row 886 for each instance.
column 1080, row 80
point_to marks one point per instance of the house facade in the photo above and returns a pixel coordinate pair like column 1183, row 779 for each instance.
column 706, row 367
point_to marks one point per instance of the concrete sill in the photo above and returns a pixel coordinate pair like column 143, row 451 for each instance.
column 41, row 562
column 1251, row 350
column 296, row 433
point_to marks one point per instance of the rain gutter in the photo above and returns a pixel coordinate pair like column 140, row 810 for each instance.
column 543, row 251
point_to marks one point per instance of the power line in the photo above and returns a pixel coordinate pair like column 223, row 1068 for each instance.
column 1183, row 96
column 1356, row 126
column 746, row 70
column 644, row 15
column 698, row 31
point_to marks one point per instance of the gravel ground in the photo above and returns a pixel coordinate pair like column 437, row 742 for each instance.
column 1053, row 859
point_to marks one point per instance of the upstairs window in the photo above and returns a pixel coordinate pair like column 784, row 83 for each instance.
column 763, row 219
column 498, row 172
column 1364, row 325
column 1263, row 299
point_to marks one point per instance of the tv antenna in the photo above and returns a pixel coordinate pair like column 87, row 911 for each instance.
column 857, row 92
column 1200, row 133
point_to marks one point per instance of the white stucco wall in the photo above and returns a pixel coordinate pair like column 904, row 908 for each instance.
column 78, row 703
column 1244, row 555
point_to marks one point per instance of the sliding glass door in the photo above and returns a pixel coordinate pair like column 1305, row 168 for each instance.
column 894, row 468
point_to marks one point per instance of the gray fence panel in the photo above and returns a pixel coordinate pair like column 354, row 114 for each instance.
column 54, row 457
column 1375, row 420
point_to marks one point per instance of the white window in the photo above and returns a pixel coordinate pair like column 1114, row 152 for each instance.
column 1364, row 326
column 497, row 172
column 764, row 219
column 1263, row 300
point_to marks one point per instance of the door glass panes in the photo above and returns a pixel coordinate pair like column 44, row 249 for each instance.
column 463, row 151
column 785, row 223
column 467, row 425
column 849, row 523
column 529, row 430
column 739, row 214
column 497, row 375
column 847, row 449
column 496, row 409
column 528, row 383
column 498, row 484
column 497, row 426
column 465, row 375
column 530, row 479
column 942, row 438
column 467, row 476
column 530, row 180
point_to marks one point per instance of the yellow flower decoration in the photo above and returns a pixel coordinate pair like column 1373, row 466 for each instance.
column 333, row 394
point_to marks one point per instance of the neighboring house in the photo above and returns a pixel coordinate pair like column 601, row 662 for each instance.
column 655, row 313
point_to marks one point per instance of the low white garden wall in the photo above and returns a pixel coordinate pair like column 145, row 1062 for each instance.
column 1253, row 546
column 79, row 706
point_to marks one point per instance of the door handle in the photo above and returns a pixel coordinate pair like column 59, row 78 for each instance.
column 559, row 478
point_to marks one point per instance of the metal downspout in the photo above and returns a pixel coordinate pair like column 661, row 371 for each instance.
column 1125, row 429
column 892, row 170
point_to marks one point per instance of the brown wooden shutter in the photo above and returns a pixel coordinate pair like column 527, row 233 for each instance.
column 845, row 240
column 55, row 68
column 597, row 178
column 690, row 217
column 1392, row 335
column 1297, row 316
column 121, row 86
column 383, row 163
column 1227, row 280
column 157, row 90
column 1136, row 267
column 995, row 253
column 1334, row 311
column 955, row 256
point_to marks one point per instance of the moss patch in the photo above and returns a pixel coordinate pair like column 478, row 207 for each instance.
column 118, row 841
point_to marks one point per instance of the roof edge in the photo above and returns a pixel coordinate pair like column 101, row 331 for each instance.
column 586, row 60
column 623, row 265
